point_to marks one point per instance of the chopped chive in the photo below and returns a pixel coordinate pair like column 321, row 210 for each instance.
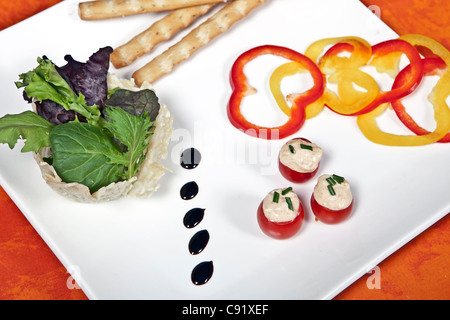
column 331, row 181
column 276, row 197
column 289, row 203
column 338, row 179
column 286, row 191
column 331, row 190
column 305, row 146
column 291, row 148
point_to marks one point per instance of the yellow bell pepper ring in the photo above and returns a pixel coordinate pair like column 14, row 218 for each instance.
column 286, row 70
column 344, row 72
column 367, row 122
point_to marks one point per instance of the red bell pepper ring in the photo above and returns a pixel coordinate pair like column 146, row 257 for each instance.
column 339, row 48
column 241, row 89
column 432, row 66
column 411, row 80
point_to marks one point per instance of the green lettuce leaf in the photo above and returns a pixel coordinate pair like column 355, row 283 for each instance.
column 28, row 126
column 85, row 154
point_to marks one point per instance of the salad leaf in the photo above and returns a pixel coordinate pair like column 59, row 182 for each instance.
column 90, row 78
column 45, row 83
column 27, row 125
column 83, row 153
column 135, row 102
column 133, row 132
column 55, row 113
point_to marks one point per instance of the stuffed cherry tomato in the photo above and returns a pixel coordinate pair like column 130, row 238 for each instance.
column 280, row 215
column 299, row 160
column 332, row 199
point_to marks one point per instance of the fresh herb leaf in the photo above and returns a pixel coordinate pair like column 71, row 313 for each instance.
column 331, row 181
column 133, row 132
column 289, row 203
column 276, row 197
column 331, row 190
column 338, row 179
column 85, row 154
column 28, row 126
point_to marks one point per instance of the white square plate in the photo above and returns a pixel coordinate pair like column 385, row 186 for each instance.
column 137, row 248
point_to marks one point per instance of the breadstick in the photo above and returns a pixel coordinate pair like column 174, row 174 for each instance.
column 197, row 38
column 105, row 9
column 158, row 32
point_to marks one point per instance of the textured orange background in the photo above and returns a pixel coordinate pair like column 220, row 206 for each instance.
column 419, row 270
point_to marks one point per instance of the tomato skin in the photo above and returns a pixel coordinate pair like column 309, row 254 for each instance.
column 280, row 230
column 330, row 216
column 295, row 176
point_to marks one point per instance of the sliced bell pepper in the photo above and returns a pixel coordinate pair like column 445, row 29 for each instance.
column 286, row 70
column 348, row 72
column 317, row 49
column 367, row 122
column 432, row 66
column 388, row 63
column 241, row 88
column 386, row 48
column 345, row 73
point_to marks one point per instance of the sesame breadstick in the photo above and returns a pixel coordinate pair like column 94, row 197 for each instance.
column 197, row 38
column 105, row 9
column 158, row 32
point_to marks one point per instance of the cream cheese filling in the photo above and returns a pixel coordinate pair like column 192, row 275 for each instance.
column 300, row 155
column 279, row 211
column 343, row 194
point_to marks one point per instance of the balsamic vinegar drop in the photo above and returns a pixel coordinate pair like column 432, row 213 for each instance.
column 189, row 190
column 190, row 158
column 202, row 273
column 193, row 217
column 199, row 242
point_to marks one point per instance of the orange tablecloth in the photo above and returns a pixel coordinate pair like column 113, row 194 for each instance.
column 419, row 270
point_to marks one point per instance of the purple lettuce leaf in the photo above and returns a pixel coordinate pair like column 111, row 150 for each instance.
column 88, row 78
